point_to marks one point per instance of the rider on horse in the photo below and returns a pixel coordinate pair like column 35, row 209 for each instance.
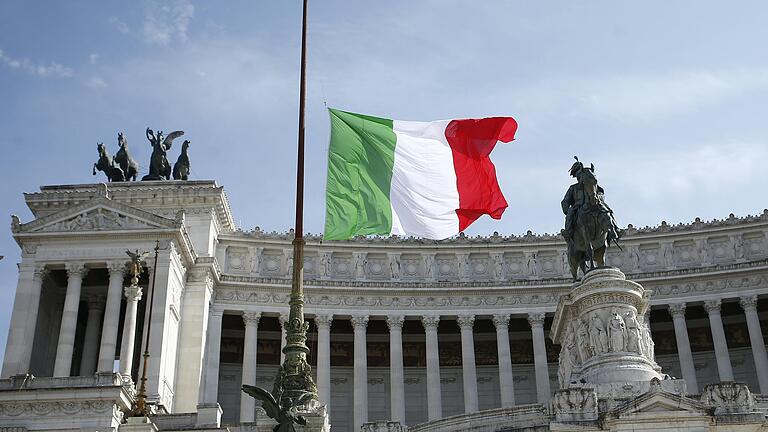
column 576, row 197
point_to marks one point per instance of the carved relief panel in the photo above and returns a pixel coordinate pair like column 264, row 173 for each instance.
column 411, row 266
column 378, row 266
column 720, row 249
column 515, row 266
column 685, row 255
column 342, row 266
column 550, row 263
column 237, row 260
column 271, row 262
column 446, row 267
column 480, row 267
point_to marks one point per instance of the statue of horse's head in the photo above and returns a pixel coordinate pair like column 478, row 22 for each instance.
column 588, row 181
column 185, row 146
column 102, row 150
column 121, row 141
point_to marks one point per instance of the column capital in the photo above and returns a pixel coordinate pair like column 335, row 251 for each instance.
column 41, row 270
column 251, row 318
column 359, row 321
column 395, row 322
column 749, row 302
column 712, row 306
column 76, row 269
column 677, row 310
column 466, row 321
column 133, row 293
column 501, row 321
column 323, row 320
column 215, row 312
column 283, row 318
column 536, row 319
column 430, row 321
column 116, row 268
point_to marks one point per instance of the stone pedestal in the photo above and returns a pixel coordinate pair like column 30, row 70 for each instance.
column 315, row 413
column 138, row 424
column 605, row 341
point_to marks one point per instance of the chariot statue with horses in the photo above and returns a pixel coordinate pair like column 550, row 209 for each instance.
column 589, row 223
column 124, row 168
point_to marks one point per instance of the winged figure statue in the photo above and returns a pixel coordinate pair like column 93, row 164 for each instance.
column 159, row 168
column 137, row 261
column 280, row 409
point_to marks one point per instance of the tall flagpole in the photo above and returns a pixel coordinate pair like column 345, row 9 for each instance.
column 294, row 375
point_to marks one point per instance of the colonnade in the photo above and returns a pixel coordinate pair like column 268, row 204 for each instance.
column 465, row 324
column 725, row 370
column 98, row 354
column 359, row 324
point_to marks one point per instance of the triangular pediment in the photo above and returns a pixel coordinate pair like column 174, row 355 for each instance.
column 99, row 214
column 659, row 402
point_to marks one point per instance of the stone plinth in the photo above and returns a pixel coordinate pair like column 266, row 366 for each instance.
column 604, row 337
column 315, row 413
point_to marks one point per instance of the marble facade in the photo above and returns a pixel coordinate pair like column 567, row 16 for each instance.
column 427, row 334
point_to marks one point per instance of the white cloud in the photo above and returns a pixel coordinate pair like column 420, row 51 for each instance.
column 166, row 21
column 96, row 82
column 93, row 58
column 37, row 69
column 119, row 25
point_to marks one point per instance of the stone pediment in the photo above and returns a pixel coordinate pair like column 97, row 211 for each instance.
column 99, row 214
column 660, row 403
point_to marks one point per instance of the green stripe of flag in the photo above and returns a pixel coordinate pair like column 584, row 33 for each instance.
column 360, row 162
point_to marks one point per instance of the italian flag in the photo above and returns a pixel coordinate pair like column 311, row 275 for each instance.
column 422, row 179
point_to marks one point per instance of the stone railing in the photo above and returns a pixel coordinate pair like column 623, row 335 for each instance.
column 525, row 416
column 25, row 382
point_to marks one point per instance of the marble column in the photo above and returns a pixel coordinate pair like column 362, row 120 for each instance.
column 396, row 373
column 536, row 320
column 109, row 329
column 30, row 323
column 283, row 318
column 250, row 345
column 132, row 297
column 684, row 347
column 75, row 274
column 724, row 369
column 469, row 373
column 749, row 304
column 506, row 381
column 210, row 392
column 434, row 393
column 360, row 395
column 91, row 339
column 323, row 323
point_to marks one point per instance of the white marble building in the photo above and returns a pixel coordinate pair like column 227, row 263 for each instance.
column 404, row 330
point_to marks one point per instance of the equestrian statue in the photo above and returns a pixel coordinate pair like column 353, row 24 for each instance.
column 589, row 223
column 107, row 164
column 159, row 168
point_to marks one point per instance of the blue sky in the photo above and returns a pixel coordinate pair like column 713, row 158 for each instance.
column 666, row 98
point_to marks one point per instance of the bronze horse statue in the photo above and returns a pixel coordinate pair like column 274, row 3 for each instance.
column 124, row 160
column 593, row 228
column 181, row 167
column 107, row 165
